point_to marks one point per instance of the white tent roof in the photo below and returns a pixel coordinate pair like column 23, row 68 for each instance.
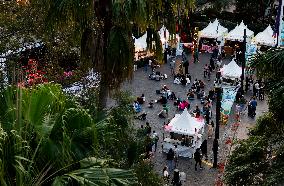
column 232, row 70
column 238, row 33
column 213, row 30
column 164, row 34
column 265, row 37
column 140, row 43
column 185, row 124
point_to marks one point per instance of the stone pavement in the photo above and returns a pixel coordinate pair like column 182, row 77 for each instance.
column 141, row 84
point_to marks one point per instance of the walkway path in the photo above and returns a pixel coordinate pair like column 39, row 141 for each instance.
column 141, row 84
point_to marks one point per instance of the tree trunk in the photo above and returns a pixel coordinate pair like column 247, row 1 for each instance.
column 105, row 14
column 103, row 93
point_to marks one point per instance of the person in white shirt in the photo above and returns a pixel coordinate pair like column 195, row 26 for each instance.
column 166, row 175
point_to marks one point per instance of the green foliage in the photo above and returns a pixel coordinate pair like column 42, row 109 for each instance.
column 45, row 138
column 146, row 175
column 259, row 159
column 269, row 66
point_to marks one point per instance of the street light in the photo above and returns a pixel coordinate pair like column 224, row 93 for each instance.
column 243, row 62
column 218, row 90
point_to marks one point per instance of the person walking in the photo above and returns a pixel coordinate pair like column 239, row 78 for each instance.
column 197, row 158
column 170, row 159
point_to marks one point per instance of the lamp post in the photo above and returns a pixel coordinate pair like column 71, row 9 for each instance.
column 243, row 62
column 218, row 116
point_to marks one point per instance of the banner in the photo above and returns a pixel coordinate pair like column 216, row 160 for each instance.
column 228, row 99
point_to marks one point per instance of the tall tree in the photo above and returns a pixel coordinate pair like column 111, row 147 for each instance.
column 105, row 30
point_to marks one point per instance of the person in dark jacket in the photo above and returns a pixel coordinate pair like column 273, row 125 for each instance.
column 197, row 158
column 170, row 159
column 203, row 148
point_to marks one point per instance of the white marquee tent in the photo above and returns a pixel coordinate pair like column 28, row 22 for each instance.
column 185, row 124
column 232, row 70
column 164, row 34
column 265, row 37
column 237, row 34
column 213, row 30
column 140, row 43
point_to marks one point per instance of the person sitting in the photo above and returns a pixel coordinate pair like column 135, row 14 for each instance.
column 201, row 84
column 162, row 114
column 197, row 111
column 151, row 103
column 152, row 76
column 198, row 88
column 195, row 81
column 193, row 87
column 187, row 80
column 183, row 80
column 172, row 96
column 137, row 107
column 162, row 100
column 165, row 76
column 165, row 88
column 141, row 99
column 177, row 102
column 183, row 105
column 188, row 76
column 177, row 81
column 190, row 95
column 166, row 108
column 141, row 116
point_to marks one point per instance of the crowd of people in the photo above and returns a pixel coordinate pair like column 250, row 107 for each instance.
column 197, row 91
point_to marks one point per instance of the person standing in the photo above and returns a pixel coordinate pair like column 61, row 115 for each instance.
column 148, row 128
column 173, row 67
column 210, row 130
column 203, row 148
column 206, row 69
column 185, row 65
column 253, row 104
column 197, row 158
column 212, row 64
column 166, row 176
column 247, row 84
column 155, row 138
column 176, row 156
column 170, row 159
column 195, row 55
column 256, row 86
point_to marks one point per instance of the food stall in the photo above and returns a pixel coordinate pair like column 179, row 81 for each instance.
column 235, row 37
column 213, row 33
column 265, row 38
column 186, row 132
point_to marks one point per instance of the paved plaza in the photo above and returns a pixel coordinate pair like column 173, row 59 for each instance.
column 141, row 84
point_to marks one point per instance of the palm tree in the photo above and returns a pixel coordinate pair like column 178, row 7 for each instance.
column 105, row 31
column 47, row 139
